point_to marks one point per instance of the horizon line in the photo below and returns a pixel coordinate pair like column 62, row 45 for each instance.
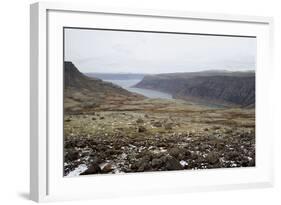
column 209, row 70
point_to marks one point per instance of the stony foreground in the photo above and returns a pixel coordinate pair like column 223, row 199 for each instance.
column 130, row 141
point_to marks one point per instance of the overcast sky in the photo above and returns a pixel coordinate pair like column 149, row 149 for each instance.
column 143, row 52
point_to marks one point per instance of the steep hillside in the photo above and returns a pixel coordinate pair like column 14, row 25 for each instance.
column 228, row 88
column 85, row 94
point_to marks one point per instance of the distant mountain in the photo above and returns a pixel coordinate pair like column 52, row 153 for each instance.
column 116, row 76
column 83, row 93
column 221, row 87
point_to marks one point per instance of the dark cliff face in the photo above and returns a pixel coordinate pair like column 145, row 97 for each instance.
column 232, row 88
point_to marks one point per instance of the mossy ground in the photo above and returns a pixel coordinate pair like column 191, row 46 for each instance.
column 157, row 134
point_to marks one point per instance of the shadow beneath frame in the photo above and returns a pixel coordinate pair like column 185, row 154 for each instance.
column 24, row 195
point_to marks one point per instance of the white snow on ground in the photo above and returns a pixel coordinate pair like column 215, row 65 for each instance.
column 250, row 158
column 160, row 150
column 183, row 163
column 78, row 170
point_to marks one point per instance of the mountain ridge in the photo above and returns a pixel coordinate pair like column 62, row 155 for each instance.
column 116, row 76
column 84, row 94
column 226, row 88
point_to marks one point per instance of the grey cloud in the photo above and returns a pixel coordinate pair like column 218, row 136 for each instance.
column 136, row 52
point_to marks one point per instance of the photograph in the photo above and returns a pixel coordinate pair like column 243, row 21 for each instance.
column 146, row 101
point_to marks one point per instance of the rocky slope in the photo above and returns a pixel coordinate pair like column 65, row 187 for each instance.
column 140, row 141
column 86, row 94
column 221, row 87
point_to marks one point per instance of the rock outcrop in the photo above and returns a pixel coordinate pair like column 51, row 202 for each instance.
column 221, row 87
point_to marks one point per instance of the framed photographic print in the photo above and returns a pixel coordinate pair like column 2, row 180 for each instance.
column 127, row 102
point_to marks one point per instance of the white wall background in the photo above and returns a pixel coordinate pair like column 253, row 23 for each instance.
column 14, row 101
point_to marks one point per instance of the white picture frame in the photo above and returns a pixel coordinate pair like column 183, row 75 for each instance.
column 46, row 179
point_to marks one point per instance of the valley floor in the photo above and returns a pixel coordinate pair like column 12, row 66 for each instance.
column 164, row 135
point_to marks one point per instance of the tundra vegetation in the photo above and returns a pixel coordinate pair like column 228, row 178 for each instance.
column 108, row 129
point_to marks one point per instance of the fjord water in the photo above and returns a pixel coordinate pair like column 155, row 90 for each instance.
column 129, row 83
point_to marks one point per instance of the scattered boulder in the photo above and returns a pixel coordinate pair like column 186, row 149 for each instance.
column 156, row 163
column 147, row 157
column 173, row 164
column 168, row 126
column 81, row 144
column 220, row 146
column 139, row 120
column 228, row 131
column 181, row 156
column 252, row 163
column 148, row 149
column 216, row 127
column 72, row 155
column 212, row 158
column 157, row 124
column 93, row 169
column 107, row 168
column 117, row 146
column 187, row 153
column 164, row 158
column 232, row 155
column 145, row 166
column 141, row 129
column 134, row 166
column 245, row 162
column 174, row 152
column 194, row 156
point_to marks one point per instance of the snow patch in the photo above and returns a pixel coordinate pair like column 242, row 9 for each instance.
column 78, row 170
column 183, row 163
